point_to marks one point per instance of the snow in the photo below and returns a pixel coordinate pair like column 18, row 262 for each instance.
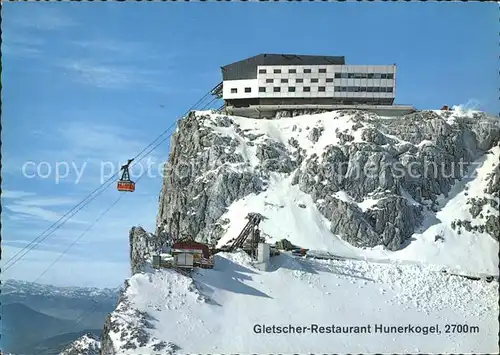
column 286, row 128
column 470, row 253
column 85, row 345
column 217, row 310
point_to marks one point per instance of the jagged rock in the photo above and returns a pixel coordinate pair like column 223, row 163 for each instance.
column 493, row 187
column 200, row 180
column 142, row 246
column 492, row 226
column 344, row 137
column 315, row 134
column 374, row 136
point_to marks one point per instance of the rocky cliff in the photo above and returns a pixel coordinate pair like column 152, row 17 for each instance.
column 404, row 163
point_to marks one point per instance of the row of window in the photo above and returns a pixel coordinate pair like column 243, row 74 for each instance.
column 363, row 89
column 323, row 89
column 291, row 71
column 364, row 76
column 299, row 80
column 330, row 80
column 338, row 75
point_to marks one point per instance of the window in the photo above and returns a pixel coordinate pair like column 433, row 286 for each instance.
column 262, row 89
column 376, row 89
column 262, row 71
column 277, row 71
column 329, row 80
column 389, row 89
column 291, row 89
column 350, row 75
column 390, row 76
column 322, row 70
column 383, row 76
column 307, row 71
column 292, row 71
column 337, row 75
column 370, row 75
column 369, row 89
column 382, row 89
column 314, row 80
column 321, row 88
column 269, row 81
column 299, row 80
column 362, row 89
column 336, row 88
column 307, row 89
column 234, row 91
column 284, row 80
column 277, row 89
column 248, row 89
column 344, row 75
column 377, row 76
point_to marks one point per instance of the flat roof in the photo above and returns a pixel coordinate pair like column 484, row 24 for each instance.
column 245, row 69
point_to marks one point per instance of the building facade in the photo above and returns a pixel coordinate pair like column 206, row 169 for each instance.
column 295, row 80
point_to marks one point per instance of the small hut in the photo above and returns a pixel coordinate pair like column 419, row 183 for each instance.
column 188, row 254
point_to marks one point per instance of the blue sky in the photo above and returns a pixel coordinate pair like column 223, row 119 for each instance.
column 86, row 84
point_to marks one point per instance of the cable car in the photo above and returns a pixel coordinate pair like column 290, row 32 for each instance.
column 125, row 184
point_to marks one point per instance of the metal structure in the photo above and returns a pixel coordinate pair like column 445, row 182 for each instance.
column 125, row 184
column 250, row 230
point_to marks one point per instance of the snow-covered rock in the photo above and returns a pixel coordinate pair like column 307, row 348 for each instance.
column 87, row 344
column 373, row 181
column 387, row 197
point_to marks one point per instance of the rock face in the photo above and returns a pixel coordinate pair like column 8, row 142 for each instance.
column 405, row 162
column 200, row 181
column 142, row 247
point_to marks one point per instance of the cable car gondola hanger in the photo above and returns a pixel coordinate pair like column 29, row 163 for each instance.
column 125, row 184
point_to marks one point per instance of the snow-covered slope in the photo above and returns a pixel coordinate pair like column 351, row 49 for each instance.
column 87, row 344
column 466, row 252
column 219, row 310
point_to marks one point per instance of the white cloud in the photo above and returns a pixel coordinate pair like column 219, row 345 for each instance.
column 16, row 44
column 24, row 205
column 21, row 51
column 46, row 18
column 16, row 194
column 49, row 201
column 35, row 212
column 114, row 47
column 108, row 76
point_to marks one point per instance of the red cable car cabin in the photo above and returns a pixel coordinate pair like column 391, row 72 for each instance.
column 125, row 184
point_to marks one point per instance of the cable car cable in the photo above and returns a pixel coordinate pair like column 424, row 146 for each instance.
column 77, row 239
column 10, row 262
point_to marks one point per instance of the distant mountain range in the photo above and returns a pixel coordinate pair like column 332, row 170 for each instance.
column 42, row 319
